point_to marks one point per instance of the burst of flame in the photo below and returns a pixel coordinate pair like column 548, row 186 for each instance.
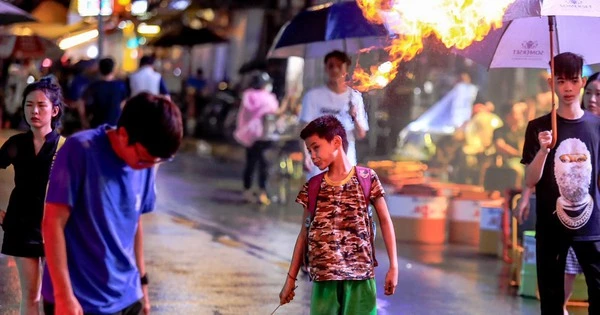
column 456, row 23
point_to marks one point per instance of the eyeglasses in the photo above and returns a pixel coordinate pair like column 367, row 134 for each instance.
column 150, row 161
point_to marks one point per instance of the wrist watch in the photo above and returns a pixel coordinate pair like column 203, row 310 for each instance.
column 144, row 279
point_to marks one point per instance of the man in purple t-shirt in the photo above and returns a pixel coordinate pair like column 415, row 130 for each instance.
column 101, row 183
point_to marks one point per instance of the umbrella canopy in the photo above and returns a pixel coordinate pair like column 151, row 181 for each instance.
column 27, row 46
column 529, row 42
column 10, row 14
column 316, row 31
column 188, row 37
column 525, row 42
column 571, row 7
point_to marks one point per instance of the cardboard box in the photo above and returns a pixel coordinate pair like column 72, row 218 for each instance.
column 464, row 222
column 420, row 219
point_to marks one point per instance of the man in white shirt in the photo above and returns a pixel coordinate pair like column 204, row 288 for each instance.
column 338, row 99
column 146, row 79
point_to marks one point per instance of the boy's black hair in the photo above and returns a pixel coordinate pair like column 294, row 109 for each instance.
column 52, row 91
column 326, row 127
column 106, row 66
column 339, row 55
column 594, row 77
column 154, row 122
column 568, row 65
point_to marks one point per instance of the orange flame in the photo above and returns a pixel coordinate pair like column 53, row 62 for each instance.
column 456, row 23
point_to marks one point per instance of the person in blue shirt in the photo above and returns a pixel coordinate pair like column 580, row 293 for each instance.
column 101, row 182
column 105, row 97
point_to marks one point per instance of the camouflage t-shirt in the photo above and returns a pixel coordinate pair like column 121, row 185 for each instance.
column 338, row 238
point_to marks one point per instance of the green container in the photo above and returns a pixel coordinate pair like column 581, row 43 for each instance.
column 528, row 287
column 579, row 289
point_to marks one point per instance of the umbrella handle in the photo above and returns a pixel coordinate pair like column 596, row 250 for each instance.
column 552, row 87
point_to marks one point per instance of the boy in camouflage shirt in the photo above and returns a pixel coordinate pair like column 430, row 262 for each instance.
column 340, row 257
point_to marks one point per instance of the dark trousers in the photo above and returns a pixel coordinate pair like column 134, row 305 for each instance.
column 255, row 156
column 551, row 255
column 133, row 309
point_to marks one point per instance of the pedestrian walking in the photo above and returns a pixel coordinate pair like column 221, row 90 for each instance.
column 591, row 97
column 338, row 99
column 102, row 182
column 31, row 154
column 566, row 176
column 252, row 132
column 146, row 79
column 105, row 97
column 338, row 236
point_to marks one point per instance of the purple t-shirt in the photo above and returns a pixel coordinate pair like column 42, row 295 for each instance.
column 106, row 198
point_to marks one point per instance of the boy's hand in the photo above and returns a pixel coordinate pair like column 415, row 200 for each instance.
column 545, row 139
column 391, row 281
column 145, row 300
column 2, row 215
column 287, row 292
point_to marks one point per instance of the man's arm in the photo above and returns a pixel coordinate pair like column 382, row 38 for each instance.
column 534, row 170
column 139, row 258
column 53, row 231
column 360, row 132
column 359, row 117
column 163, row 89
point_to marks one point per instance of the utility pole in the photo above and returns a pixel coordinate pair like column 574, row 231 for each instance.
column 100, row 31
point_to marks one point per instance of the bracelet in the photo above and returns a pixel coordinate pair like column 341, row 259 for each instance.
column 295, row 279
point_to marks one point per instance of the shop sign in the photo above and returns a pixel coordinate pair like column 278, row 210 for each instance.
column 491, row 219
column 91, row 7
column 418, row 207
column 465, row 211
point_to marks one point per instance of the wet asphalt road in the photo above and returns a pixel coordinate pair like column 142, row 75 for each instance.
column 207, row 252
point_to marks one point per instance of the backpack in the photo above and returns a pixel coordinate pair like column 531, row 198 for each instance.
column 314, row 186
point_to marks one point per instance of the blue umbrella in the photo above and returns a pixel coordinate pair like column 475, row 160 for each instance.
column 10, row 14
column 318, row 30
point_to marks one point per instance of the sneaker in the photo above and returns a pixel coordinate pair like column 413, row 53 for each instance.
column 264, row 199
column 249, row 196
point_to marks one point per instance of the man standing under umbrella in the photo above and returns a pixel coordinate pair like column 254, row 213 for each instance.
column 567, row 178
column 338, row 99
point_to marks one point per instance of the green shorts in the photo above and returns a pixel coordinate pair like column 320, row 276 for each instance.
column 344, row 297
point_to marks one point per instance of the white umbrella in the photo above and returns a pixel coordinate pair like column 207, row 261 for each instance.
column 525, row 42
column 10, row 14
column 541, row 30
column 571, row 7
